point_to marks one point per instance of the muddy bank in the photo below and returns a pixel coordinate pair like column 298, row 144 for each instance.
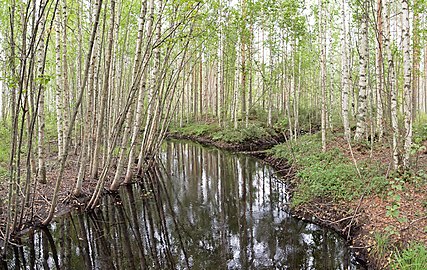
column 246, row 146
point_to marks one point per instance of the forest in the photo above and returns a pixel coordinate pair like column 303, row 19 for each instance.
column 334, row 92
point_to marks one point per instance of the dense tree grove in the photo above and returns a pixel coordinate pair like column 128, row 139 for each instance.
column 94, row 85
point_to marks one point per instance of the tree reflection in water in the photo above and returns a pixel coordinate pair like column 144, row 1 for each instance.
column 201, row 208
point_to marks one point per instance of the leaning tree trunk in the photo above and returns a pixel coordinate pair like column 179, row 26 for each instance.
column 139, row 107
column 73, row 119
column 95, row 196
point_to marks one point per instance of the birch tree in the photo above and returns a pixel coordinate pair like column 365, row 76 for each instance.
column 407, row 83
column 363, row 62
column 41, row 174
column 392, row 87
column 379, row 72
column 344, row 78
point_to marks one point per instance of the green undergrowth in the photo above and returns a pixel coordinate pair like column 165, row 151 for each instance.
column 254, row 131
column 412, row 258
column 328, row 174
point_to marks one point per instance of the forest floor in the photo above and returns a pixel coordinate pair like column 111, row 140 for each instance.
column 384, row 216
column 42, row 194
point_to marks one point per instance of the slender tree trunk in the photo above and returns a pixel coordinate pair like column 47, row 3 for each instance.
column 392, row 87
column 322, row 36
column 344, row 78
column 41, row 174
column 152, row 95
column 407, row 83
column 243, row 62
column 59, row 84
column 415, row 65
column 73, row 119
column 103, row 96
column 140, row 103
column 65, row 87
column 379, row 72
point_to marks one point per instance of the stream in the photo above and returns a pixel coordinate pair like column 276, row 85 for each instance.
column 201, row 208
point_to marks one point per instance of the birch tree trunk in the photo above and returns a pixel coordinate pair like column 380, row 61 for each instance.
column 363, row 61
column 73, row 118
column 141, row 95
column 103, row 96
column 379, row 72
column 243, row 62
column 407, row 83
column 322, row 37
column 344, row 78
column 41, row 174
column 65, row 88
column 152, row 95
column 416, row 49
column 392, row 88
column 59, row 84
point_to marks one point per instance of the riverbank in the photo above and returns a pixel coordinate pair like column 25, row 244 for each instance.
column 350, row 189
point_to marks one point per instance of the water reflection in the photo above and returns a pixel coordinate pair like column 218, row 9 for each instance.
column 200, row 209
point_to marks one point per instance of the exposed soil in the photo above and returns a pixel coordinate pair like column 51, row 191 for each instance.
column 359, row 221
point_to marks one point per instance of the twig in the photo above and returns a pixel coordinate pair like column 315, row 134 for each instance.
column 412, row 222
column 338, row 221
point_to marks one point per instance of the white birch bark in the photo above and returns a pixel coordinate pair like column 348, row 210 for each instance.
column 344, row 78
column 392, row 87
column 322, row 36
column 103, row 97
column 407, row 83
column 363, row 62
column 59, row 83
column 141, row 94
column 379, row 73
column 41, row 174
column 152, row 94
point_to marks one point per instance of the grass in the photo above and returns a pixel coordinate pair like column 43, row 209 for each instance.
column 412, row 258
column 328, row 174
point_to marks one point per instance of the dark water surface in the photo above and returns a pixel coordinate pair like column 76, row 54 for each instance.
column 202, row 208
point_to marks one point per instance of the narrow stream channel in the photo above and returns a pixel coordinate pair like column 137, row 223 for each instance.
column 202, row 208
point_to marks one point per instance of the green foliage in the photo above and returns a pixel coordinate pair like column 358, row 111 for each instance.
column 382, row 244
column 414, row 258
column 252, row 132
column 195, row 129
column 396, row 186
column 328, row 174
